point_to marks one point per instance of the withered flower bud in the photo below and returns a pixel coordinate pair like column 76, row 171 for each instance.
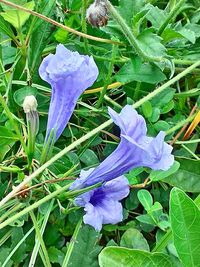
column 30, row 108
column 97, row 13
column 30, row 104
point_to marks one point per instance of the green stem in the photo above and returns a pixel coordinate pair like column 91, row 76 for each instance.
column 170, row 16
column 69, row 194
column 93, row 132
column 188, row 150
column 40, row 239
column 130, row 36
column 84, row 24
column 172, row 4
column 180, row 124
column 16, row 247
column 137, row 90
column 37, row 242
column 10, row 211
column 71, row 244
column 112, row 102
column 188, row 142
column 197, row 3
column 5, row 237
column 107, row 81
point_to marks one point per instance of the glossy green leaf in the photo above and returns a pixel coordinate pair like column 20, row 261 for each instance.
column 185, row 218
column 124, row 257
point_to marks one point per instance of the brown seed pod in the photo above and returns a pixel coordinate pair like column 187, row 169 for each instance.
column 97, row 14
column 24, row 193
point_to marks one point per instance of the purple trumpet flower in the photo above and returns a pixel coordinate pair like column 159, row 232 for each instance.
column 102, row 205
column 69, row 74
column 135, row 149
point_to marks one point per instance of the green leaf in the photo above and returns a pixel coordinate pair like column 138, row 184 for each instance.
column 9, row 54
column 45, row 8
column 20, row 254
column 42, row 32
column 185, row 218
column 156, row 16
column 145, row 199
column 124, row 257
column 135, row 70
column 188, row 34
column 145, row 218
column 132, row 238
column 55, row 255
column 85, row 250
column 5, row 28
column 4, row 150
column 17, row 2
column 147, row 109
column 163, row 98
column 151, row 43
column 189, row 93
column 129, row 8
column 161, row 126
column 18, row 17
column 4, row 253
column 155, row 115
column 89, row 157
column 160, row 175
column 7, row 136
column 187, row 177
column 21, row 93
column 169, row 35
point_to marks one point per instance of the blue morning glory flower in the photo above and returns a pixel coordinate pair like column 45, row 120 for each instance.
column 102, row 205
column 135, row 149
column 69, row 74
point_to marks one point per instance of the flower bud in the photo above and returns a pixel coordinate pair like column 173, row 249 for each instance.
column 97, row 13
column 30, row 104
column 32, row 118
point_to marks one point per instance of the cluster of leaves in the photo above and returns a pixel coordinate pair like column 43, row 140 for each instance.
column 161, row 223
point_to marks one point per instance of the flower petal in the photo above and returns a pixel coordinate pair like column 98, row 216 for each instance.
column 161, row 152
column 129, row 121
column 69, row 74
column 81, row 179
column 135, row 149
column 93, row 217
column 117, row 189
column 111, row 211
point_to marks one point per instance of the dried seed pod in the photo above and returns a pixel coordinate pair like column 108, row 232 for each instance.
column 97, row 13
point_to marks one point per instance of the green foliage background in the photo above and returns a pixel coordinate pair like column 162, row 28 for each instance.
column 148, row 56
